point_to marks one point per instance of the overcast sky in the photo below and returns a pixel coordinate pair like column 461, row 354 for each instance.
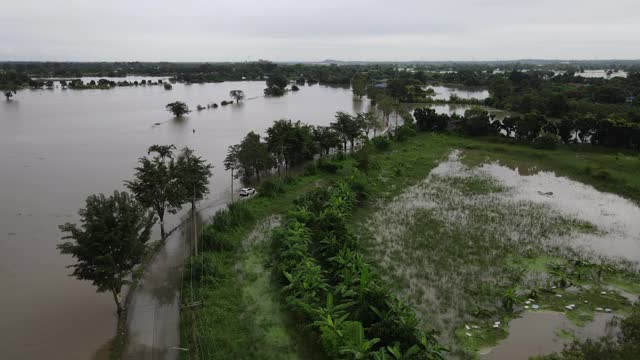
column 303, row 30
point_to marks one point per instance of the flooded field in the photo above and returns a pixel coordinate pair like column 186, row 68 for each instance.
column 471, row 248
column 59, row 146
column 445, row 92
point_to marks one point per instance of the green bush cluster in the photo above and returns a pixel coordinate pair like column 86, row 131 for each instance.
column 405, row 132
column 547, row 141
column 219, row 234
column 330, row 167
column 381, row 143
column 271, row 187
column 328, row 284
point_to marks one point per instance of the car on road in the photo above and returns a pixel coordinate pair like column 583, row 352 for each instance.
column 247, row 192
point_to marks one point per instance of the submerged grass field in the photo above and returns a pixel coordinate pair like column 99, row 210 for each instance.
column 455, row 262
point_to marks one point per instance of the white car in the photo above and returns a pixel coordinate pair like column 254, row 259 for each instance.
column 247, row 191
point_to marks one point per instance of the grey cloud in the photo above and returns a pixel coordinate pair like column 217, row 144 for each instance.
column 204, row 30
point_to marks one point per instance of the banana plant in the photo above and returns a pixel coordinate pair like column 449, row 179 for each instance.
column 397, row 353
column 330, row 309
column 509, row 299
column 561, row 278
column 432, row 348
column 356, row 345
column 601, row 269
column 331, row 323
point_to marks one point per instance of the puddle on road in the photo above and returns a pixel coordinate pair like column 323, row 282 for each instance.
column 538, row 333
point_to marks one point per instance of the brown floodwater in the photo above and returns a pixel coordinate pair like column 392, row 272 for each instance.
column 538, row 333
column 59, row 146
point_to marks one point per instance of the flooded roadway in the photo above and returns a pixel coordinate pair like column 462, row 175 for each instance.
column 153, row 313
column 59, row 146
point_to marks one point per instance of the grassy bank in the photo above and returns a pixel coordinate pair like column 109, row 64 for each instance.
column 243, row 316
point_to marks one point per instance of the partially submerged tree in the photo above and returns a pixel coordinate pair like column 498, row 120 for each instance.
column 109, row 241
column 238, row 95
column 291, row 143
column 276, row 85
column 178, row 108
column 193, row 174
column 232, row 162
column 156, row 183
column 253, row 156
column 9, row 90
column 359, row 86
column 350, row 128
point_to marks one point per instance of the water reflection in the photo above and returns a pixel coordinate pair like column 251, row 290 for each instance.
column 538, row 333
column 445, row 92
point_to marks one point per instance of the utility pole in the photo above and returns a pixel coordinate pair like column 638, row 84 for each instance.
column 193, row 219
column 232, row 185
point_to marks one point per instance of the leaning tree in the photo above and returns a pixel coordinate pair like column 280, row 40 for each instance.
column 109, row 241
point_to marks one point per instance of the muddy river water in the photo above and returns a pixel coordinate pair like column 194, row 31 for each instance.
column 59, row 146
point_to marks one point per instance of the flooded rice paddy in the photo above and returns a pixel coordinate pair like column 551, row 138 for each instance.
column 463, row 239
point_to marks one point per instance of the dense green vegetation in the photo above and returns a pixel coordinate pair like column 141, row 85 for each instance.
column 234, row 285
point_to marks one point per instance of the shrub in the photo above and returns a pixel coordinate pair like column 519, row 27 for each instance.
column 311, row 169
column 328, row 166
column 630, row 326
column 602, row 174
column 233, row 216
column 271, row 188
column 359, row 184
column 381, row 143
column 201, row 267
column 214, row 240
column 546, row 141
column 405, row 132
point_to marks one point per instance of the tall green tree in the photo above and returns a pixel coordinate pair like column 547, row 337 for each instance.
column 232, row 162
column 109, row 241
column 156, row 183
column 327, row 138
column 359, row 85
column 178, row 108
column 253, row 156
column 349, row 128
column 386, row 104
column 193, row 174
column 291, row 143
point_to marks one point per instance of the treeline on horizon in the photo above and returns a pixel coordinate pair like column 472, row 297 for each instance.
column 597, row 110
